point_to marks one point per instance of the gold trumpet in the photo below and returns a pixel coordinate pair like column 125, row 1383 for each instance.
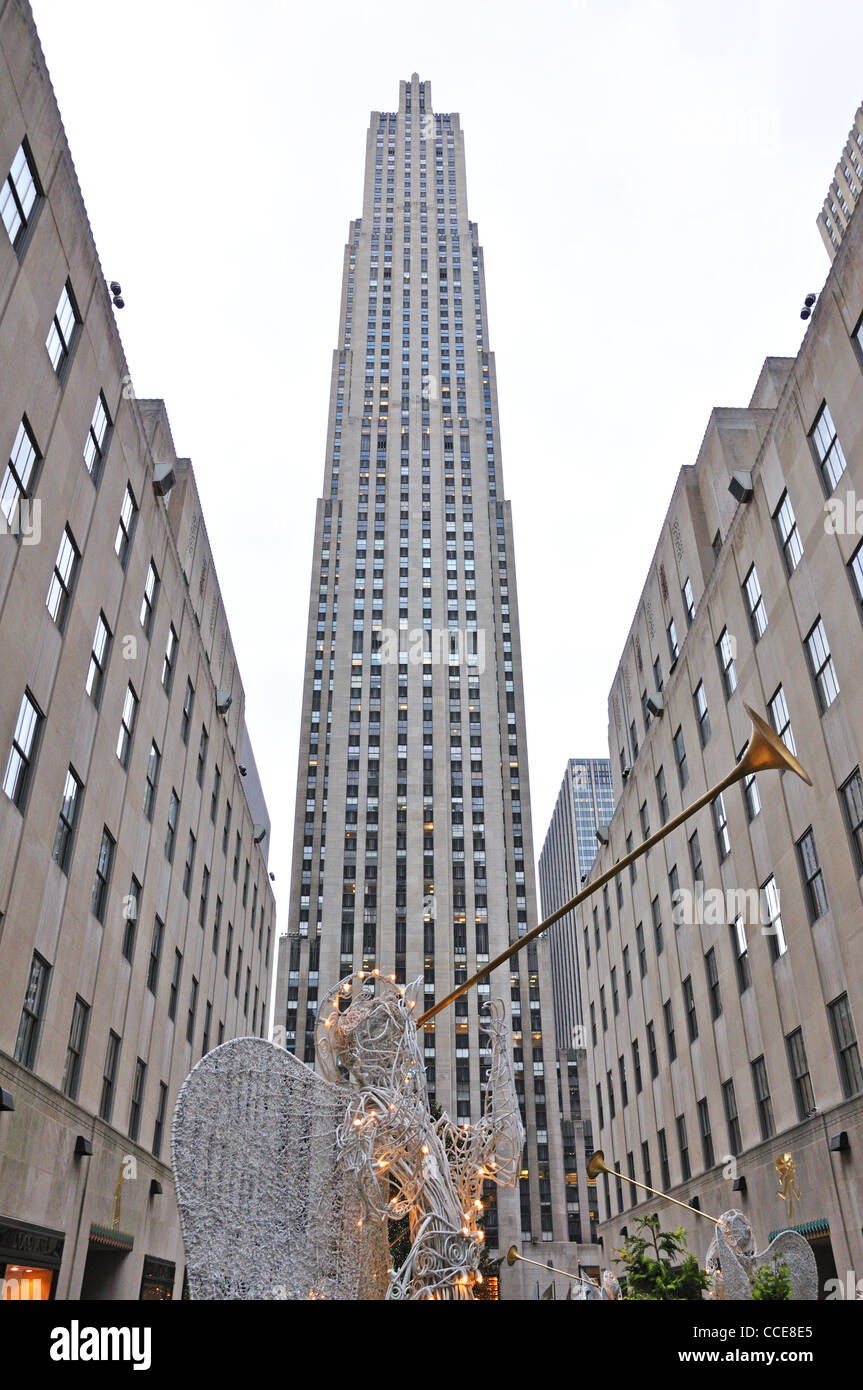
column 512, row 1255
column 765, row 751
column 597, row 1164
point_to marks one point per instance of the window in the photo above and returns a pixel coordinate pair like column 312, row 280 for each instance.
column 657, row 925
column 189, row 865
column 188, row 706
column 674, row 894
column 127, row 726
column 773, row 929
column 668, row 1015
column 109, row 1076
column 645, row 821
column 729, row 1102
column 67, row 820
column 159, row 1126
column 102, row 880
column 680, row 759
column 130, row 916
column 827, row 450
column 627, row 973
column 205, row 894
column 609, row 1081
column 624, row 1090
column 98, row 660
column 217, row 922
column 642, row 953
column 75, row 1048
column 202, row 755
column 170, row 659
column 645, row 1162
column 193, row 1006
column 155, row 955
column 63, row 579
column 657, row 674
column 821, row 666
column 683, row 1145
column 725, row 649
column 214, row 799
column 18, row 197
column 704, row 1130
column 633, row 868
column 845, row 1042
column 227, row 827
column 208, row 1019
column 153, row 764
column 689, row 1006
column 762, row 1098
column 171, row 833
column 63, row 330
column 652, row 1056
column 789, row 537
column 33, row 1012
column 662, row 796
column 236, row 866
column 712, row 972
column 720, row 825
column 755, row 604
column 19, row 478
column 602, row 1009
column 701, row 713
column 148, row 603
column 615, row 996
column 663, row 1158
column 695, row 857
column 688, row 603
column 175, row 984
column 816, row 894
column 125, row 526
column 25, row 742
column 633, row 735
column 781, row 720
column 855, row 572
column 799, row 1067
column 636, row 1066
column 741, row 953
column 852, row 800
column 137, row 1099
column 95, row 445
column 673, row 644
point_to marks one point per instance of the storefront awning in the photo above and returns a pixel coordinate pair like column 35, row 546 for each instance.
column 109, row 1238
column 809, row 1229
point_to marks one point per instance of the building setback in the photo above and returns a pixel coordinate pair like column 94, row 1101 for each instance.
column 137, row 925
column 731, row 1034
column 413, row 851
column 844, row 191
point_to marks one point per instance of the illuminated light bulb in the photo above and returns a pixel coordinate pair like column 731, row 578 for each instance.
column 376, row 972
column 424, row 1149
column 392, row 978
column 478, row 1204
column 357, row 1123
column 480, row 1235
column 478, row 1277
column 465, row 1231
column 392, row 1107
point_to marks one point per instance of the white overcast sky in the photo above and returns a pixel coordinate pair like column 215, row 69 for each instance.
column 646, row 178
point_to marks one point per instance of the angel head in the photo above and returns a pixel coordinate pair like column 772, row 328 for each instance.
column 365, row 1029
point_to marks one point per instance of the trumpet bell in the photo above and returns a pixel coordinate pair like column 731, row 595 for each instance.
column 512, row 1255
column 597, row 1164
column 766, row 751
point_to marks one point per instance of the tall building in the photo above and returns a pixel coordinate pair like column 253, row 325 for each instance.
column 724, row 986
column 413, row 851
column 585, row 801
column 844, row 191
column 137, row 925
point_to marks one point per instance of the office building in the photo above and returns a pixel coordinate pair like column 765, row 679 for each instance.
column 137, row 921
column 724, row 986
column 413, row 850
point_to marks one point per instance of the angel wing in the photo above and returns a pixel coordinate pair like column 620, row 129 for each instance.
column 265, row 1211
column 799, row 1256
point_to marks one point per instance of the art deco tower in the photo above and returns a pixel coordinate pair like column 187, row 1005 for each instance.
column 413, row 851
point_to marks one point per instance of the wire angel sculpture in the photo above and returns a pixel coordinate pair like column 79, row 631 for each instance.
column 732, row 1260
column 286, row 1179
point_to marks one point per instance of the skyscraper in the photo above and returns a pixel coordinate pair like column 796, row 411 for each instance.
column 413, row 851
column 585, row 800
